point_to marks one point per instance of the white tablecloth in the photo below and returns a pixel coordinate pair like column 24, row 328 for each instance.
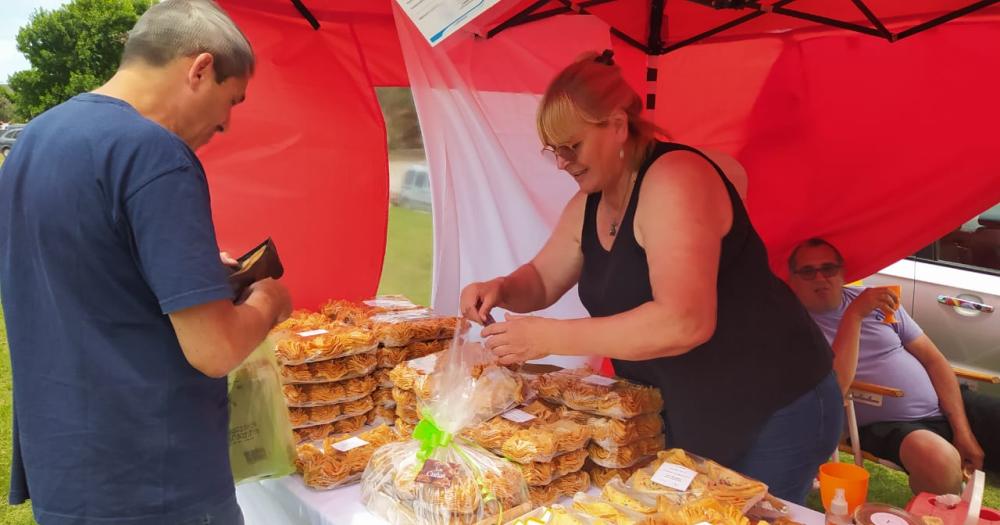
column 287, row 501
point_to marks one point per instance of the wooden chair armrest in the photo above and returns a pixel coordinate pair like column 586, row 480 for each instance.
column 965, row 373
column 872, row 388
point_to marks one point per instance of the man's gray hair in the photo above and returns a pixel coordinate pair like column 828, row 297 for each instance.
column 185, row 28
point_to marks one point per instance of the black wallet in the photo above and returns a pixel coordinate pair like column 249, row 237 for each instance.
column 257, row 264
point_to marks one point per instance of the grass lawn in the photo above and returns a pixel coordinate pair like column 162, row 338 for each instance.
column 408, row 271
column 408, row 255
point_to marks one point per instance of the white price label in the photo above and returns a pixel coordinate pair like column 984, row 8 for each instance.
column 517, row 415
column 349, row 444
column 674, row 476
column 599, row 380
column 313, row 333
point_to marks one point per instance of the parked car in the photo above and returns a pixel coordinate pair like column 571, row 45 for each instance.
column 952, row 289
column 8, row 137
column 415, row 192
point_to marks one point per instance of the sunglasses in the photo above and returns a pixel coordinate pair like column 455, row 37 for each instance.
column 827, row 270
column 566, row 153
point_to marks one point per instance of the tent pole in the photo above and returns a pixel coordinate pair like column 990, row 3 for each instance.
column 873, row 19
column 944, row 18
column 830, row 22
column 304, row 11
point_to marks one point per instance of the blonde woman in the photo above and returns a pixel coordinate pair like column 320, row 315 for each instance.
column 678, row 287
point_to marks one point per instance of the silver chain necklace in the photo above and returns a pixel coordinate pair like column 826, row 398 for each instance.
column 621, row 216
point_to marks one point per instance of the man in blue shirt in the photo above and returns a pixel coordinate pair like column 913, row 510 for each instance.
column 120, row 320
column 936, row 429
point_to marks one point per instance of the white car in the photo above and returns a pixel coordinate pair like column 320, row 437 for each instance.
column 952, row 289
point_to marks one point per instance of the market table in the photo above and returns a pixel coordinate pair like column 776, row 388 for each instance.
column 289, row 501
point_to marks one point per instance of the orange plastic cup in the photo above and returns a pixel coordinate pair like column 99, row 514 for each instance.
column 852, row 478
column 897, row 290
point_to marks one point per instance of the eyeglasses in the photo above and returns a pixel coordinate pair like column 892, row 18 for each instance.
column 827, row 270
column 566, row 153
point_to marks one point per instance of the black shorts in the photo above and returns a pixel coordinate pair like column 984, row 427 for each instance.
column 883, row 439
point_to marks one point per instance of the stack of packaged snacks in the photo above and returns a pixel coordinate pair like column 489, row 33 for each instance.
column 403, row 330
column 624, row 418
column 549, row 449
column 437, row 478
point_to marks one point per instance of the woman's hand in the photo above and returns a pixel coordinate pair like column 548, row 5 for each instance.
column 521, row 338
column 478, row 299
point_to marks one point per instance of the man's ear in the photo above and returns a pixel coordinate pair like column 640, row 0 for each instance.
column 201, row 70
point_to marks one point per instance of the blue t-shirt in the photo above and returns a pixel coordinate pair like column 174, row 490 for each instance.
column 883, row 360
column 106, row 227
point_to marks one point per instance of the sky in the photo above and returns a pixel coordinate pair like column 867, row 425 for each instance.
column 13, row 15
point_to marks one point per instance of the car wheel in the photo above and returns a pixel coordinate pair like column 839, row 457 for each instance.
column 4, row 151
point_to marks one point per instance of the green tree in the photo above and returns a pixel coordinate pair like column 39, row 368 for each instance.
column 72, row 49
column 6, row 104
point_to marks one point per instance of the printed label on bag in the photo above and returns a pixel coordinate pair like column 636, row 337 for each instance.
column 599, row 380
column 674, row 476
column 312, row 333
column 517, row 415
column 437, row 473
column 385, row 302
column 349, row 444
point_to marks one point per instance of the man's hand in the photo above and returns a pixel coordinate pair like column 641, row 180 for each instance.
column 228, row 260
column 869, row 300
column 972, row 454
column 275, row 294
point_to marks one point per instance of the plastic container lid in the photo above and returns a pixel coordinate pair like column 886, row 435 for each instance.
column 881, row 514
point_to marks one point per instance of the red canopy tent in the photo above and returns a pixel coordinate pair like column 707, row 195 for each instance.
column 875, row 132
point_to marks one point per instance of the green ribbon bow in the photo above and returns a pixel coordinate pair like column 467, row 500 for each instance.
column 430, row 437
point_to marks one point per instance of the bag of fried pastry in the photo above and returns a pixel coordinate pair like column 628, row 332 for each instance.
column 324, row 342
column 340, row 460
column 679, row 478
column 438, row 478
column 583, row 389
column 358, row 313
column 404, row 327
column 558, row 515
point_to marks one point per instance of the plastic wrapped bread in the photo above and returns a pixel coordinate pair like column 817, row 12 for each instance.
column 405, row 327
column 600, row 476
column 712, row 480
column 328, row 342
column 340, row 460
column 562, row 487
column 331, row 370
column 318, row 394
column 358, row 313
column 582, row 389
column 341, row 426
column 390, row 356
column 627, row 455
column 598, row 507
column 537, row 474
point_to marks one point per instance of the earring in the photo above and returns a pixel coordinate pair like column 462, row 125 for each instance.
column 621, row 153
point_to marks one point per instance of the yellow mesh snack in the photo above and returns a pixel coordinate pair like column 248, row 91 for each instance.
column 328, row 342
column 328, row 393
column 582, row 389
column 331, row 370
column 327, row 467
column 628, row 455
column 713, row 480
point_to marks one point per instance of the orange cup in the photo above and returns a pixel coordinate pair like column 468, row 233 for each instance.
column 852, row 478
column 897, row 290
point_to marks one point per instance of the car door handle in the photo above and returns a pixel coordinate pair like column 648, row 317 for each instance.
column 964, row 303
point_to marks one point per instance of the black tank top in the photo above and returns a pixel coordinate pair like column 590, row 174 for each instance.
column 765, row 353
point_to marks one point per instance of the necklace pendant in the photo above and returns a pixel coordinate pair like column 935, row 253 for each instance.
column 614, row 229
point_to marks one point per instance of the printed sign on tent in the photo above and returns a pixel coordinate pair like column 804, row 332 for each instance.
column 437, row 19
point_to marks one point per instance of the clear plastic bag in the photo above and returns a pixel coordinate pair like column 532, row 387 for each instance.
column 319, row 394
column 611, row 433
column 310, row 416
column 558, row 515
column 340, row 460
column 330, row 341
column 559, row 488
column 627, row 455
column 600, row 476
column 343, row 426
column 261, row 443
column 383, row 397
column 583, row 389
column 390, row 356
column 404, row 327
column 357, row 313
column 538, row 474
column 331, row 370
column 597, row 507
column 708, row 479
column 436, row 478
